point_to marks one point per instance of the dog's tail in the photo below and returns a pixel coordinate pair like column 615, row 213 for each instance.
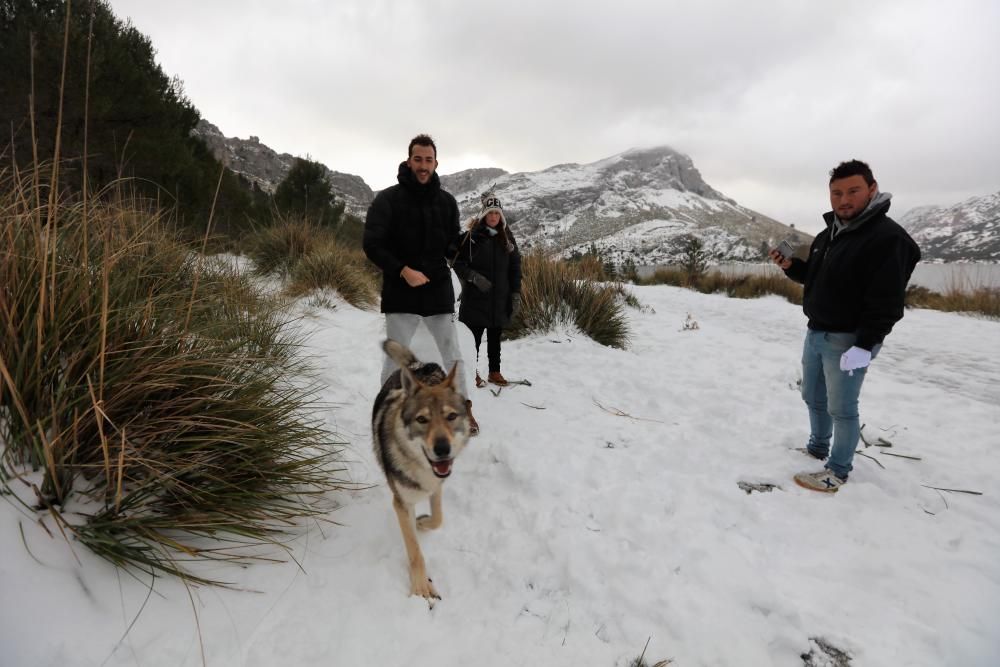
column 400, row 354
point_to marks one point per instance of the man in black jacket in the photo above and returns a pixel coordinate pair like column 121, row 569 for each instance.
column 409, row 230
column 855, row 281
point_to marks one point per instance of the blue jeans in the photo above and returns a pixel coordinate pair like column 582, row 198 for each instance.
column 832, row 398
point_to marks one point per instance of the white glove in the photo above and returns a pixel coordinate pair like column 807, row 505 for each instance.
column 855, row 358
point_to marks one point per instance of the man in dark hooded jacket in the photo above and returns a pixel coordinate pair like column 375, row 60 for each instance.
column 409, row 230
column 854, row 281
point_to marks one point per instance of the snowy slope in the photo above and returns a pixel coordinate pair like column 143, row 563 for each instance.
column 968, row 231
column 600, row 508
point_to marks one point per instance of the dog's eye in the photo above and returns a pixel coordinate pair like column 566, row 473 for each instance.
column 453, row 416
column 422, row 419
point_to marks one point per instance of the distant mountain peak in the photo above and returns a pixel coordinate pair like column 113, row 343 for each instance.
column 967, row 231
column 638, row 205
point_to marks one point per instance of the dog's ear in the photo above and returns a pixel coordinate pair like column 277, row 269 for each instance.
column 450, row 379
column 409, row 380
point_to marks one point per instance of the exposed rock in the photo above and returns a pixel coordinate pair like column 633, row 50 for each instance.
column 267, row 168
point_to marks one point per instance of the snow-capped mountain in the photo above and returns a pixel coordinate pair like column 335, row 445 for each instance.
column 639, row 204
column 969, row 231
column 267, row 168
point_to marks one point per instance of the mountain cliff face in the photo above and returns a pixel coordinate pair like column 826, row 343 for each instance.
column 637, row 205
column 969, row 231
column 267, row 168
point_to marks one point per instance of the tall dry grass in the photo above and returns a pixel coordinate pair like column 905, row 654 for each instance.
column 334, row 266
column 152, row 406
column 312, row 258
column 555, row 291
column 960, row 295
column 279, row 247
column 734, row 285
column 983, row 301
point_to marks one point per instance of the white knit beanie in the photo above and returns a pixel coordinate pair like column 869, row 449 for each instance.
column 491, row 203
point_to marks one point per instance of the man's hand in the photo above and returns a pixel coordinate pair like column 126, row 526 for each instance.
column 855, row 358
column 779, row 259
column 481, row 282
column 413, row 277
column 515, row 304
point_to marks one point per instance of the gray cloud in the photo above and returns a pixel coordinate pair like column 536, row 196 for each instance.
column 766, row 97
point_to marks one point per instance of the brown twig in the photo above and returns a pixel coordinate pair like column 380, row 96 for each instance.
column 938, row 488
column 533, row 407
column 903, row 456
column 872, row 458
column 620, row 413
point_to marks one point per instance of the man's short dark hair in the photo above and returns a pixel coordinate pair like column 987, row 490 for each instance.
column 852, row 168
column 421, row 140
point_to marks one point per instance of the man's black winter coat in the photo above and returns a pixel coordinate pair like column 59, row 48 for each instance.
column 856, row 282
column 413, row 225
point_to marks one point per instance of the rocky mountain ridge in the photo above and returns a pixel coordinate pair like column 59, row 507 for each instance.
column 266, row 167
column 640, row 205
column 967, row 231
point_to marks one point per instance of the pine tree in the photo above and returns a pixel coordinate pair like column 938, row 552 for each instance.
column 138, row 120
column 629, row 272
column 306, row 193
column 695, row 259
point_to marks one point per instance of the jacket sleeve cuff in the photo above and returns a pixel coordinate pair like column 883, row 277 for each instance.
column 867, row 341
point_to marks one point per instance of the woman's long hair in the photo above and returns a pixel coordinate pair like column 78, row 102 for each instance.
column 502, row 231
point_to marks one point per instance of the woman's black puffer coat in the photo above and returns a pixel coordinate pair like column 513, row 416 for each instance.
column 492, row 253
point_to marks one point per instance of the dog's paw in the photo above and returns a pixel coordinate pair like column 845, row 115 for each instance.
column 424, row 587
column 428, row 522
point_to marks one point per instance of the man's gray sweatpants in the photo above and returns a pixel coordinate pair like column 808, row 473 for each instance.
column 400, row 327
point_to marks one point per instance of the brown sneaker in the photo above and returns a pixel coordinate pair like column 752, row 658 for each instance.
column 473, row 424
column 480, row 382
column 495, row 378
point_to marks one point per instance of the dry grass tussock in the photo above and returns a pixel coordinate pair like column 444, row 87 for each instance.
column 555, row 291
column 959, row 297
column 312, row 258
column 738, row 286
column 152, row 406
column 984, row 301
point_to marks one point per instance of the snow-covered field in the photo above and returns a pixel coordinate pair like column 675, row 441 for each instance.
column 599, row 509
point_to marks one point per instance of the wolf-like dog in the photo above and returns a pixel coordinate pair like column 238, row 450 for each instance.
column 419, row 425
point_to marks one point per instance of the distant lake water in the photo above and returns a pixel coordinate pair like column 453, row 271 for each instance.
column 938, row 277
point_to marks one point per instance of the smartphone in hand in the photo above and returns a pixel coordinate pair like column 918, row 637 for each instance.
column 785, row 249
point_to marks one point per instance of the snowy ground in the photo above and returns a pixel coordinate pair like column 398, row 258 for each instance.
column 573, row 535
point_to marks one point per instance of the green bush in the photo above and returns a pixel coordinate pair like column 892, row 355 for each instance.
column 160, row 400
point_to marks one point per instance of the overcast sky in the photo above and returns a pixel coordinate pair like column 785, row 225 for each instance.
column 765, row 96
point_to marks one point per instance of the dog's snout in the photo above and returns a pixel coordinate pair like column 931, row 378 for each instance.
column 442, row 447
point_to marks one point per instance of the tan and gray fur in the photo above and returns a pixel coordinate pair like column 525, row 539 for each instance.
column 420, row 424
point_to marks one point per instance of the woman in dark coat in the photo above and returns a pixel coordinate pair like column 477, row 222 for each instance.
column 489, row 265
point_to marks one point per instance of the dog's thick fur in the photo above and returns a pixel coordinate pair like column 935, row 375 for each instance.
column 420, row 423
